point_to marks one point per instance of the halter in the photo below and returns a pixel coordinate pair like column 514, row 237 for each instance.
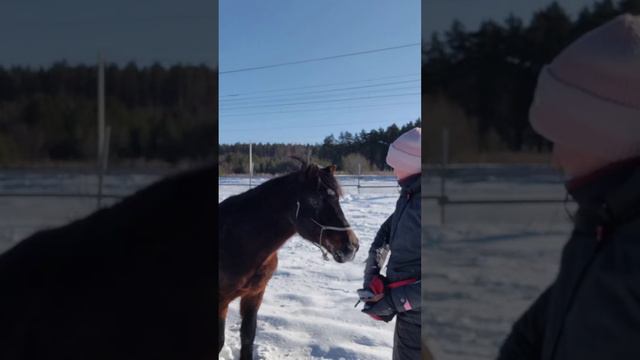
column 322, row 229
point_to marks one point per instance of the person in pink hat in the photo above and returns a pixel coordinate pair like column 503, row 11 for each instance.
column 587, row 102
column 398, row 293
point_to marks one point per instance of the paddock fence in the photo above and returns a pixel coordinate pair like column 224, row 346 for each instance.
column 445, row 173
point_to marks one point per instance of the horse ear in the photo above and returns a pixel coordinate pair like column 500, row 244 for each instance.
column 312, row 171
column 302, row 161
column 330, row 169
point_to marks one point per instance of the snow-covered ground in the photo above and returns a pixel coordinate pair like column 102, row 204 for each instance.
column 488, row 263
column 308, row 309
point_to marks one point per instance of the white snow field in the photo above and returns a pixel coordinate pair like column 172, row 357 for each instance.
column 308, row 309
column 488, row 263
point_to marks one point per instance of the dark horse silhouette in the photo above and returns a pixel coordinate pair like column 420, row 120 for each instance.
column 133, row 281
column 255, row 224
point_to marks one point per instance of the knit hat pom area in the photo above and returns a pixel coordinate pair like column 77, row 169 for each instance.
column 405, row 153
column 588, row 98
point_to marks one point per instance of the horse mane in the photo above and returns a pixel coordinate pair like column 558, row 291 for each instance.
column 183, row 195
column 166, row 206
column 326, row 178
column 177, row 188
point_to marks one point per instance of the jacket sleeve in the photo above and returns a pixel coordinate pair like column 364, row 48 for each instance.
column 408, row 297
column 527, row 335
column 377, row 252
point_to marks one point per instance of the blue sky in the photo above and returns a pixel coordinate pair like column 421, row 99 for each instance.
column 39, row 32
column 255, row 33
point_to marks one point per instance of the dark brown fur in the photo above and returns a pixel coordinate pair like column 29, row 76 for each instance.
column 133, row 281
column 256, row 223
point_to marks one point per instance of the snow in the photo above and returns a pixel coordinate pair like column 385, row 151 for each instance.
column 308, row 309
column 486, row 265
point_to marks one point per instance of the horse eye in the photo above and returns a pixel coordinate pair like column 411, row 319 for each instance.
column 331, row 192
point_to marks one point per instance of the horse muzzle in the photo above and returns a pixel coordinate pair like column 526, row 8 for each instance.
column 347, row 252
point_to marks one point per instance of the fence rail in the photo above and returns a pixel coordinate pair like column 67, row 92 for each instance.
column 341, row 185
column 251, row 183
column 61, row 195
column 445, row 200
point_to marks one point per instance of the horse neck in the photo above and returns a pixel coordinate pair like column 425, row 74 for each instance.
column 274, row 226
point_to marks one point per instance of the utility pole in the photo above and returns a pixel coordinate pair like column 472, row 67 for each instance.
column 101, row 128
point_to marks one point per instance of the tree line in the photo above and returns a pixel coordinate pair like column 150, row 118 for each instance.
column 491, row 73
column 155, row 112
column 364, row 151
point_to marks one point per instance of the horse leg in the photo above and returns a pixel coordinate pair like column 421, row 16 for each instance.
column 222, row 316
column 249, row 306
column 221, row 324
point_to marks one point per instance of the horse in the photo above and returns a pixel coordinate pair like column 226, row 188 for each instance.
column 131, row 281
column 252, row 226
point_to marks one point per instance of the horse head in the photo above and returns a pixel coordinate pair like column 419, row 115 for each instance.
column 319, row 217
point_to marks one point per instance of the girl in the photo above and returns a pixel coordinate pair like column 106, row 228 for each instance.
column 587, row 103
column 398, row 294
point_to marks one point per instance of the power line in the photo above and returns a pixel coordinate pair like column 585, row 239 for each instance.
column 319, row 110
column 319, row 59
column 322, row 101
column 390, row 91
column 318, row 85
column 320, row 91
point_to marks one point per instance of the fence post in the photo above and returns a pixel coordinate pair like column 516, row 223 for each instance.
column 250, row 166
column 103, row 163
column 359, row 175
column 101, row 130
column 443, row 175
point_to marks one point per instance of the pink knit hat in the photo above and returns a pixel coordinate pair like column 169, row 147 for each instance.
column 588, row 98
column 405, row 152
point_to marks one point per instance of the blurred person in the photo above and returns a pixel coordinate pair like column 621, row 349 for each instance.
column 587, row 102
column 398, row 293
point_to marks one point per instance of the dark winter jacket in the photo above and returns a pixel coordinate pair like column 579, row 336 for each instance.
column 592, row 310
column 400, row 234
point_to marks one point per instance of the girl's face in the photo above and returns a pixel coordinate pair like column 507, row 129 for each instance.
column 400, row 174
column 575, row 163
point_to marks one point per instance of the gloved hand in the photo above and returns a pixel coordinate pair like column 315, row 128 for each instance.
column 389, row 298
column 383, row 309
column 377, row 304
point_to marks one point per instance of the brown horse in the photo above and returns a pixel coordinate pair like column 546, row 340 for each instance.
column 256, row 223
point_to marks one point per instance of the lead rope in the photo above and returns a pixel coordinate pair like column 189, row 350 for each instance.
column 322, row 229
column 566, row 208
